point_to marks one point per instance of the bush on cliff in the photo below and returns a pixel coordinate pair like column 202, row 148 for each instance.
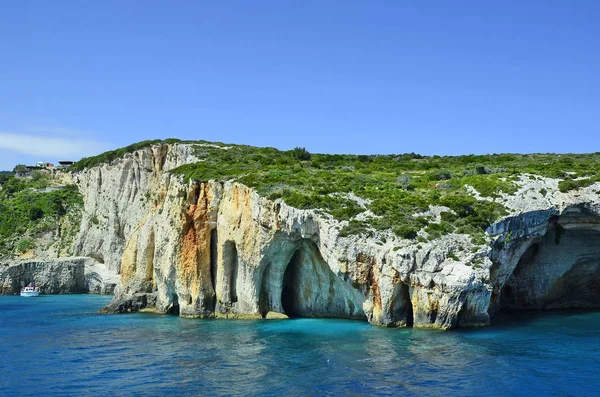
column 570, row 184
column 300, row 153
column 24, row 209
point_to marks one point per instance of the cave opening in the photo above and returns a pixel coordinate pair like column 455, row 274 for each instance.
column 309, row 288
column 213, row 258
column 289, row 293
column 230, row 269
column 298, row 282
column 408, row 309
column 561, row 270
column 174, row 308
column 401, row 310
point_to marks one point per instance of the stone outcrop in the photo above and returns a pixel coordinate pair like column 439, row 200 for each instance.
column 57, row 276
column 212, row 249
column 550, row 261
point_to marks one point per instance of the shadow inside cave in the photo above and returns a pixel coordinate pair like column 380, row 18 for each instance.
column 559, row 271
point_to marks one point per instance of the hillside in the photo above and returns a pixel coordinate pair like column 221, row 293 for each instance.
column 38, row 216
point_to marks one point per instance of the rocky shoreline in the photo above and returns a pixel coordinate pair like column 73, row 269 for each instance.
column 226, row 251
column 219, row 249
column 71, row 275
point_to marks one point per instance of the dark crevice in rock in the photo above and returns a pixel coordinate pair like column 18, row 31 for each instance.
column 409, row 308
column 264, row 302
column 131, row 303
column 98, row 257
column 230, row 269
column 149, row 259
column 196, row 195
column 401, row 310
column 559, row 271
column 174, row 307
column 213, row 258
column 289, row 293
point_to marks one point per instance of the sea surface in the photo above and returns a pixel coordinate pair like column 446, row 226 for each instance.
column 59, row 345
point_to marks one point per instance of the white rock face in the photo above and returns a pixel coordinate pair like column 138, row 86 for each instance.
column 99, row 279
column 58, row 276
column 54, row 276
column 220, row 249
column 118, row 196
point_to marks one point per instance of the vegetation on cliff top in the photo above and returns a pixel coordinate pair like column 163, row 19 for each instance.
column 386, row 190
column 393, row 188
column 28, row 207
column 107, row 157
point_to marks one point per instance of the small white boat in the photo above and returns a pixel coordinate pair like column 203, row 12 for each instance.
column 30, row 290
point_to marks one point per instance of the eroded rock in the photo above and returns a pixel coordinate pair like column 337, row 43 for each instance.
column 212, row 249
column 58, row 276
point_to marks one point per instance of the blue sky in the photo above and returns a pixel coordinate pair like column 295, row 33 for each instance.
column 436, row 77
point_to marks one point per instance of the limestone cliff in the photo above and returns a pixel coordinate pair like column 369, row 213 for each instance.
column 204, row 249
column 220, row 249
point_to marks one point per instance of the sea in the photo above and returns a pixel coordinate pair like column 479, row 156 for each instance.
column 58, row 345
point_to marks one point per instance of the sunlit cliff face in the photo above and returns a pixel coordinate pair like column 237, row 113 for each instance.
column 219, row 249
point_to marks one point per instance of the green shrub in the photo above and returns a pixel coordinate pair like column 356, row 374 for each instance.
column 442, row 228
column 5, row 177
column 35, row 213
column 300, row 153
column 25, row 245
column 440, row 175
column 404, row 181
column 25, row 208
column 570, row 184
column 406, row 231
column 354, row 228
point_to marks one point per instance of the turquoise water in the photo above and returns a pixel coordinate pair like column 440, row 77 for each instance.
column 58, row 345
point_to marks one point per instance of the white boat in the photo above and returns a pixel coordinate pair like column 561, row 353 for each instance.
column 30, row 290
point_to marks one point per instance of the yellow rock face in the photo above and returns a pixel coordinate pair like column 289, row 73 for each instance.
column 276, row 316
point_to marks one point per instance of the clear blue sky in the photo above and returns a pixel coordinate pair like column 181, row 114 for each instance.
column 436, row 77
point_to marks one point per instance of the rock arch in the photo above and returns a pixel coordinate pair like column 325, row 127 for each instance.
column 559, row 269
column 301, row 284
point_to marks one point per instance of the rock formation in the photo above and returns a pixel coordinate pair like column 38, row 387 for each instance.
column 57, row 276
column 219, row 249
